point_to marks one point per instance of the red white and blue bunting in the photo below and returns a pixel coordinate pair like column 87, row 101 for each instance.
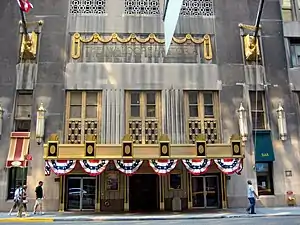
column 94, row 167
column 62, row 167
column 128, row 167
column 161, row 166
column 228, row 166
column 47, row 168
column 197, row 166
column 240, row 169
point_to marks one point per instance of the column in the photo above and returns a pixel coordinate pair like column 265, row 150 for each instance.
column 62, row 190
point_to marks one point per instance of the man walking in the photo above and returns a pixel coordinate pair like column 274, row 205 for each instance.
column 16, row 199
column 39, row 198
column 251, row 197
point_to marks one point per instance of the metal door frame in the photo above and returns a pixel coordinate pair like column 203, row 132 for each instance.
column 205, row 192
column 81, row 189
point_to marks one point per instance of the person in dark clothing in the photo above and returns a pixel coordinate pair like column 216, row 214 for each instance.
column 39, row 198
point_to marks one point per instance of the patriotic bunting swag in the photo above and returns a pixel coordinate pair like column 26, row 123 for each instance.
column 128, row 167
column 94, row 167
column 47, row 169
column 228, row 166
column 163, row 166
column 62, row 167
column 197, row 166
column 240, row 169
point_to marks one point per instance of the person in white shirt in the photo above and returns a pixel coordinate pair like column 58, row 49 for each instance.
column 251, row 197
column 16, row 199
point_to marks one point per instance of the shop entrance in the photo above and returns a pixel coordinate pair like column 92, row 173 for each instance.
column 206, row 191
column 80, row 193
column 143, row 192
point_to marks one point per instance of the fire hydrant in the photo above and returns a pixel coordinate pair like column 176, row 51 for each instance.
column 291, row 199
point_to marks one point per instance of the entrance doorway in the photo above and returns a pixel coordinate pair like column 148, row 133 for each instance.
column 206, row 191
column 81, row 193
column 143, row 192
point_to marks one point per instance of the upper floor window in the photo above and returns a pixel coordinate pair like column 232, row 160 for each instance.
column 197, row 8
column 143, row 116
column 83, row 114
column 286, row 10
column 257, row 104
column 145, row 7
column 295, row 53
column 202, row 115
column 87, row 6
column 23, row 112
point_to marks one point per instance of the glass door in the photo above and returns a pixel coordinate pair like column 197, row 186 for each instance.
column 81, row 193
column 88, row 193
column 205, row 192
column 74, row 193
column 212, row 192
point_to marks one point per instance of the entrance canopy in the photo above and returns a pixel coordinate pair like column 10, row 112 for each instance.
column 18, row 149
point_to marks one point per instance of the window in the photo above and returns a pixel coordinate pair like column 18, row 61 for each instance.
column 286, row 10
column 197, row 8
column 16, row 176
column 295, row 53
column 87, row 6
column 201, row 111
column 264, row 174
column 257, row 110
column 143, row 116
column 83, row 116
column 175, row 181
column 146, row 7
column 23, row 112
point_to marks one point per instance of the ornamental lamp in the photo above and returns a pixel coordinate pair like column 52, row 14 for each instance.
column 40, row 124
column 1, row 119
column 281, row 123
column 243, row 125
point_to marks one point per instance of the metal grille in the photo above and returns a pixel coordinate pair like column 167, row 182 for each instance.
column 211, row 132
column 146, row 7
column 74, row 132
column 87, row 6
column 90, row 128
column 151, row 131
column 135, row 130
column 194, row 130
column 197, row 8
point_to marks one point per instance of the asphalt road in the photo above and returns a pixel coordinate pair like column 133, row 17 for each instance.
column 236, row 221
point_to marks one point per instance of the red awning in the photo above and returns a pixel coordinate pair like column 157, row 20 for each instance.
column 18, row 149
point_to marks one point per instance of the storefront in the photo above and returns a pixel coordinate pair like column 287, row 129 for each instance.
column 142, row 178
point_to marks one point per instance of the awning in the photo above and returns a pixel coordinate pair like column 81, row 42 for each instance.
column 18, row 149
column 263, row 146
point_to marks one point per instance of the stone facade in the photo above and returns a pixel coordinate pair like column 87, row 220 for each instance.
column 55, row 72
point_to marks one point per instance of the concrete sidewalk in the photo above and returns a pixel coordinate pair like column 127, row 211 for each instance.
column 204, row 214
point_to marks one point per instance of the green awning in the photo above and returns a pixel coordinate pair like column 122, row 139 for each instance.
column 263, row 146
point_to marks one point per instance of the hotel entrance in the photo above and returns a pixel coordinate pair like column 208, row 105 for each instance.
column 206, row 191
column 80, row 193
column 143, row 192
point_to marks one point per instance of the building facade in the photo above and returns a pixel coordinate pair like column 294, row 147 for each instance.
column 94, row 108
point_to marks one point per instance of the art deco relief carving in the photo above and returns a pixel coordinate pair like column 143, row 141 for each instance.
column 140, row 49
column 197, row 8
column 87, row 6
column 146, row 7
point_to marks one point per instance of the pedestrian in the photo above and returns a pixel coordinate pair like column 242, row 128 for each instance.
column 16, row 196
column 251, row 197
column 25, row 201
column 39, row 198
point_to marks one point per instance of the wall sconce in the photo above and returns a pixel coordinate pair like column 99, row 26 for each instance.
column 243, row 122
column 1, row 119
column 281, row 123
column 40, row 124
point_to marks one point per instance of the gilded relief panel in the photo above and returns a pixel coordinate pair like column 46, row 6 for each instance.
column 150, row 48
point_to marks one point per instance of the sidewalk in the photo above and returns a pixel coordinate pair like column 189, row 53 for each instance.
column 205, row 214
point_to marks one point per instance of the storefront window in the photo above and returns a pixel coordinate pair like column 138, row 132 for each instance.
column 175, row 181
column 16, row 176
column 112, row 181
column 264, row 174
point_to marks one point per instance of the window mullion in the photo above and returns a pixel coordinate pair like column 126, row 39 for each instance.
column 143, row 114
column 83, row 110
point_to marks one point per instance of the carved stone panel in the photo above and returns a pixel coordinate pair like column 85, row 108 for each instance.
column 87, row 6
column 197, row 8
column 146, row 7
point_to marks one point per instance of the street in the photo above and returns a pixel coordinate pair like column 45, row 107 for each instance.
column 291, row 220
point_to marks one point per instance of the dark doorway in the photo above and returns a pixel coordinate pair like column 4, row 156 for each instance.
column 143, row 192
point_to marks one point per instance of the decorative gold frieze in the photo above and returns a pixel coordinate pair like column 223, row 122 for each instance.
column 77, row 39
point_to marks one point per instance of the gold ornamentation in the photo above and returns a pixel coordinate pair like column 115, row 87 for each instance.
column 53, row 137
column 164, row 149
column 90, row 149
column 251, row 48
column 52, row 149
column 201, row 149
column 90, row 137
column 248, row 27
column 29, row 46
column 236, row 149
column 127, row 150
column 133, row 38
column 235, row 137
column 127, row 138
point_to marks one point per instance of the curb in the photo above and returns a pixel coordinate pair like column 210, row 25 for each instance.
column 22, row 220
